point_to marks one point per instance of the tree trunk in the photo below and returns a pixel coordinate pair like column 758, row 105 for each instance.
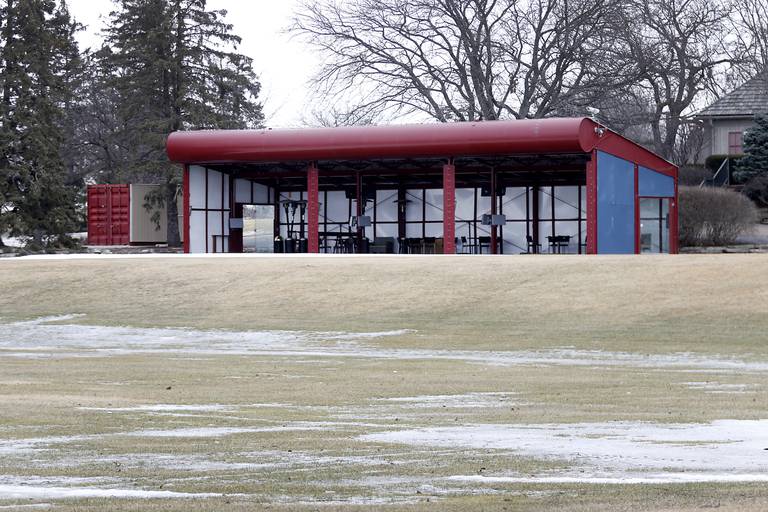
column 171, row 191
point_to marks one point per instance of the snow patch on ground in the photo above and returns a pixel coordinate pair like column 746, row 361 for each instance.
column 31, row 492
column 42, row 338
column 627, row 479
column 724, row 450
column 33, row 487
column 164, row 408
column 463, row 401
column 717, row 387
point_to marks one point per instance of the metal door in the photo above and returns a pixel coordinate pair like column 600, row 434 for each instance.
column 109, row 214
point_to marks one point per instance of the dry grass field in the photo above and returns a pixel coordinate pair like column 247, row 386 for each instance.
column 394, row 383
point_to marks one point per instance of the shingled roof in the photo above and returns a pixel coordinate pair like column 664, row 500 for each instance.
column 747, row 100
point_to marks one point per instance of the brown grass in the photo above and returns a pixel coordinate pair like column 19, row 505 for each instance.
column 709, row 304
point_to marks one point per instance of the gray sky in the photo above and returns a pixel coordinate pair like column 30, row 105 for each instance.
column 283, row 65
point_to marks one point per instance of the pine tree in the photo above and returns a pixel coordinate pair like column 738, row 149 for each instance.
column 753, row 166
column 173, row 66
column 754, row 163
column 40, row 59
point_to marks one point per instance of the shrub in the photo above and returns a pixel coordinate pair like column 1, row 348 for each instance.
column 757, row 190
column 714, row 162
column 714, row 216
column 693, row 175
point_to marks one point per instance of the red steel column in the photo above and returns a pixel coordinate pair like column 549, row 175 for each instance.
column 674, row 240
column 637, row 210
column 359, row 209
column 313, row 208
column 449, row 208
column 186, row 212
column 494, row 200
column 592, row 204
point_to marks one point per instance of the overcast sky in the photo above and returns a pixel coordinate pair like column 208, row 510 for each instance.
column 284, row 65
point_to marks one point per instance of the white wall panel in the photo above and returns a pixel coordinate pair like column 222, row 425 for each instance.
column 414, row 206
column 465, row 203
column 197, row 232
column 566, row 202
column 435, row 230
column 261, row 194
column 214, row 189
column 434, row 199
column 514, row 238
column 196, row 186
column 386, row 230
column 242, row 191
column 338, row 207
column 545, row 203
column 413, row 231
column 483, row 205
column 386, row 206
column 513, row 203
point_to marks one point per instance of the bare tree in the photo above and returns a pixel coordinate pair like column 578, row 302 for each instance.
column 677, row 47
column 462, row 59
column 749, row 28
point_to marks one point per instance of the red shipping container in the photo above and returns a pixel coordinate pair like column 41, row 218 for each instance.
column 109, row 213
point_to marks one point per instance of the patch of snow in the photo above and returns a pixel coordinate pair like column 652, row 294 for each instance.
column 31, row 492
column 164, row 408
column 41, row 338
column 26, row 506
column 732, row 450
column 627, row 479
column 467, row 400
column 227, row 431
column 716, row 387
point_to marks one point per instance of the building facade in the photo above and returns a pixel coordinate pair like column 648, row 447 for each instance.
column 500, row 187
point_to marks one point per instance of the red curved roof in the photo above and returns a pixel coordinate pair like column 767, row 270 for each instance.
column 530, row 136
column 396, row 141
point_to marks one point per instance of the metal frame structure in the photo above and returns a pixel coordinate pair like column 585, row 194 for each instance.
column 534, row 154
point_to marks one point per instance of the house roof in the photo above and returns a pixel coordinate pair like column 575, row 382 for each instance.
column 747, row 100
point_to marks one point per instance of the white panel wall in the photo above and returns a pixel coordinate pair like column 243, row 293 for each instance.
column 197, row 231
column 413, row 209
column 243, row 191
column 196, row 186
column 209, row 214
column 386, row 207
column 434, row 200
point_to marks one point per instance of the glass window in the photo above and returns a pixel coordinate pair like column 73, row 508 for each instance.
column 654, row 225
column 735, row 143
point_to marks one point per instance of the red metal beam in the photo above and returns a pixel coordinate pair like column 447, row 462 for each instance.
column 449, row 208
column 592, row 204
column 313, row 208
column 186, row 213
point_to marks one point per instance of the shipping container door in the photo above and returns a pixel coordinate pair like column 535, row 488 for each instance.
column 98, row 232
column 120, row 214
column 108, row 214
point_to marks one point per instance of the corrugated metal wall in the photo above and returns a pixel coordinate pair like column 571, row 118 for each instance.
column 109, row 214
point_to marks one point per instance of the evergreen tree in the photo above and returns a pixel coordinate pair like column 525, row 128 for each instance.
column 173, row 65
column 753, row 166
column 754, row 163
column 40, row 62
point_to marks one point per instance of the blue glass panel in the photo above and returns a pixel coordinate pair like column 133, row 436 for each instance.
column 654, row 184
column 615, row 205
